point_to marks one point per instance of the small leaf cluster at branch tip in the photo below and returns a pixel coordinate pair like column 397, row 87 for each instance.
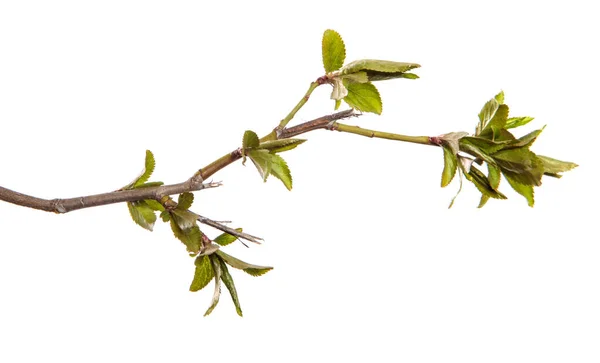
column 503, row 153
column 352, row 83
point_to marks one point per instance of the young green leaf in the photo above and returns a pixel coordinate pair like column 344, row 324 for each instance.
column 379, row 70
column 277, row 146
column 482, row 183
column 525, row 141
column 154, row 205
column 525, row 190
column 165, row 216
column 190, row 237
column 185, row 201
column 485, row 115
column 553, row 167
column 281, row 171
column 142, row 214
column 146, row 173
column 249, row 141
column 250, row 269
column 500, row 97
column 262, row 160
column 150, row 185
column 517, row 121
column 228, row 281
column 450, row 166
column 494, row 178
column 226, row 238
column 497, row 123
column 364, row 97
column 204, row 273
column 216, row 265
column 521, row 165
column 334, row 51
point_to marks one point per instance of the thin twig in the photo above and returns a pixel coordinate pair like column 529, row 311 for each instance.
column 231, row 231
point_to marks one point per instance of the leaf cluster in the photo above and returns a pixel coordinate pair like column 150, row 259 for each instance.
column 503, row 154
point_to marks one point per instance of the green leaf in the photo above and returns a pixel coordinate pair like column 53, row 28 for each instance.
column 552, row 167
column 154, row 205
column 267, row 164
column 226, row 238
column 146, row 173
column 334, row 51
column 521, row 165
column 525, row 190
column 525, row 141
column 217, row 272
column 482, row 183
column 142, row 214
column 473, row 147
column 165, row 216
column 517, row 121
column 379, row 70
column 249, row 141
column 364, row 97
column 204, row 273
column 407, row 76
column 481, row 145
column 337, row 105
column 450, row 166
column 358, row 77
column 277, row 146
column 250, row 269
column 500, row 97
column 485, row 115
column 185, row 201
column 496, row 123
column 185, row 219
column 228, row 281
column 494, row 179
column 190, row 237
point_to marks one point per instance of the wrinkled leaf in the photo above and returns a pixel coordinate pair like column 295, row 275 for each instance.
column 277, row 146
column 204, row 273
column 334, row 51
column 552, row 167
column 517, row 121
column 482, row 183
column 190, row 237
column 525, row 190
column 228, row 281
column 379, row 70
column 339, row 89
column 452, row 139
column 450, row 166
column 364, row 97
column 142, row 214
column 520, row 164
column 226, row 238
column 185, row 201
column 358, row 77
column 494, row 179
column 253, row 270
column 216, row 265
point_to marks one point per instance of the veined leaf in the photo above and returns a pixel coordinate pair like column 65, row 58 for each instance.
column 267, row 164
column 484, row 145
column 521, row 165
column 185, row 201
column 364, row 97
column 250, row 269
column 146, row 173
column 525, row 141
column 525, row 190
column 249, row 141
column 482, row 183
column 142, row 214
column 190, row 237
column 204, row 273
column 485, row 115
column 471, row 147
column 494, row 178
column 226, row 238
column 216, row 265
column 277, row 146
column 552, row 167
column 228, row 281
column 496, row 123
column 517, row 121
column 334, row 51
column 154, row 205
column 450, row 166
column 379, row 70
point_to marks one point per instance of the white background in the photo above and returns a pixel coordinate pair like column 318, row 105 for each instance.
column 370, row 265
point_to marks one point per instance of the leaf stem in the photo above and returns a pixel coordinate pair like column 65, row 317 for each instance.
column 298, row 106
